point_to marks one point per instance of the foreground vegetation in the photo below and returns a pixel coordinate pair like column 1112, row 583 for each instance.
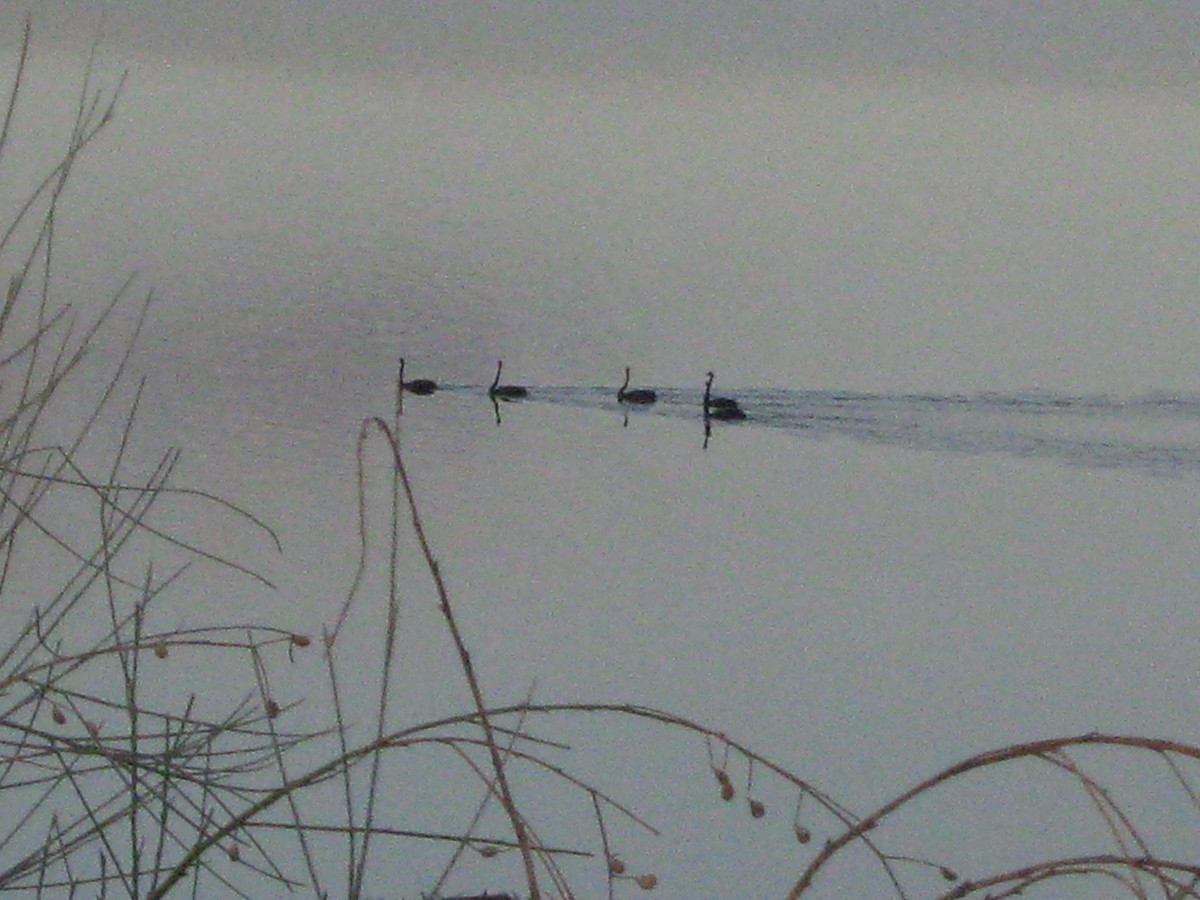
column 109, row 792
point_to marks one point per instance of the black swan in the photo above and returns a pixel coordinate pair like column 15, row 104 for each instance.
column 723, row 409
column 506, row 391
column 638, row 395
column 421, row 386
column 711, row 402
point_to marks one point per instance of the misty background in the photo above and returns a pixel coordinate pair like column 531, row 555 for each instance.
column 881, row 196
column 1095, row 42
column 990, row 203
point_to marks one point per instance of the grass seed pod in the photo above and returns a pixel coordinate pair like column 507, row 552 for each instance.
column 727, row 791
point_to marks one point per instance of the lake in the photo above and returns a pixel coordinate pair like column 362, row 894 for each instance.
column 961, row 512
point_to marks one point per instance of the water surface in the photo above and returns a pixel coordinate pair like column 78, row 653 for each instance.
column 962, row 510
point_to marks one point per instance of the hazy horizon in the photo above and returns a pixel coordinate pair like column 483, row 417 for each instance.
column 1112, row 43
column 803, row 194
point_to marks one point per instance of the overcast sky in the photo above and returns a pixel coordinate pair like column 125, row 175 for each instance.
column 1096, row 40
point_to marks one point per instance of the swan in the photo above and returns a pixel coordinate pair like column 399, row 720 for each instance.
column 724, row 409
column 505, row 391
column 711, row 402
column 727, row 414
column 638, row 395
column 418, row 385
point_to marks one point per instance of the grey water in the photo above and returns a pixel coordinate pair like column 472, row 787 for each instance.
column 1158, row 433
column 961, row 512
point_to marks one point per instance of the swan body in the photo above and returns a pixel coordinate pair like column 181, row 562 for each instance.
column 723, row 409
column 637, row 395
column 711, row 402
column 421, row 386
column 727, row 414
column 505, row 391
column 722, row 403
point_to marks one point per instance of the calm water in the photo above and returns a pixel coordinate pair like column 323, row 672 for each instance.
column 864, row 582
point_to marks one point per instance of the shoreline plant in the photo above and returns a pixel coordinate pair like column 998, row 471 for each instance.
column 110, row 793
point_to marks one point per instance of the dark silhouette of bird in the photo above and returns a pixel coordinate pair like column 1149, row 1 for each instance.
column 505, row 391
column 637, row 395
column 421, row 386
column 724, row 409
column 727, row 414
